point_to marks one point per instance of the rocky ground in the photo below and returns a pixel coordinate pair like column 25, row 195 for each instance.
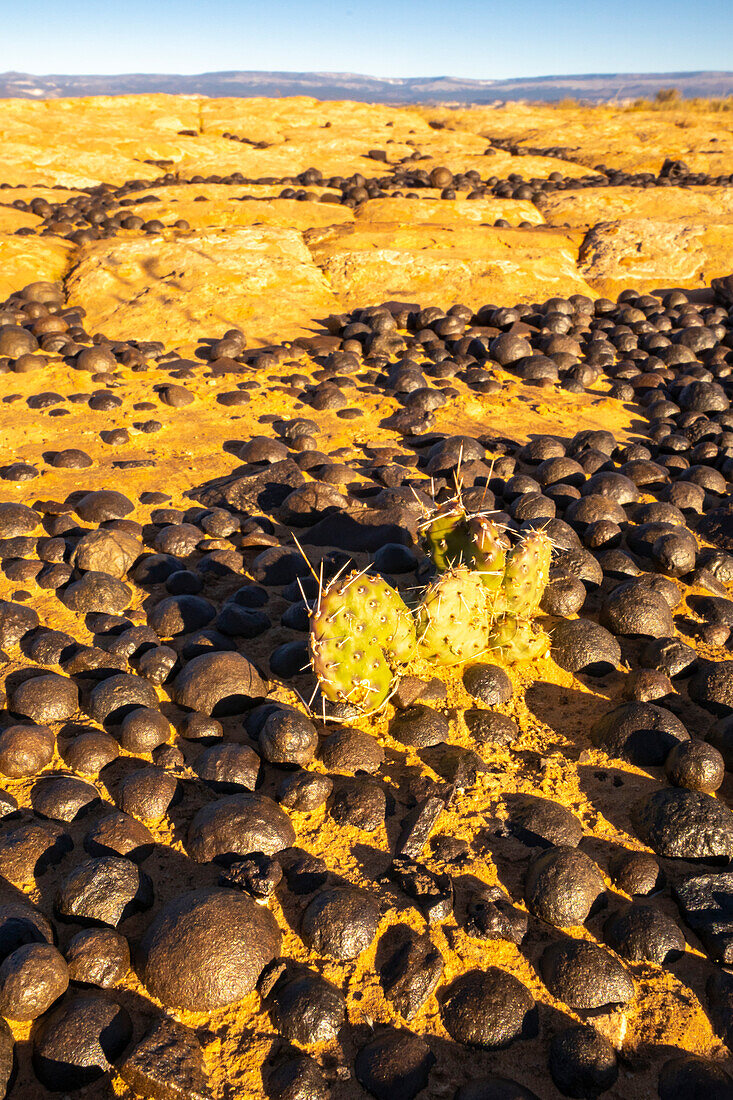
column 230, row 325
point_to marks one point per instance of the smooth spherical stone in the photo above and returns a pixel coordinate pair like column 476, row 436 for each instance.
column 62, row 797
column 540, row 821
column 206, row 949
column 15, row 622
column 105, row 890
column 359, row 802
column 636, row 873
column 645, row 685
column 31, row 978
column 89, row 752
column 97, row 592
column 304, row 791
column 350, row 750
column 29, row 848
column 21, row 923
column 288, row 738
column 25, row 750
column 688, row 1075
column 200, row 727
column 562, row 885
column 46, row 698
column 147, row 794
column 695, row 765
column 340, row 922
column 107, row 551
column 644, row 933
column 581, row 645
column 297, row 1078
column 712, row 687
column 490, row 727
column 103, row 504
column 494, row 1088
column 633, row 611
column 671, row 656
column 585, row 976
column 143, row 729
column 681, row 824
column 71, row 459
column 181, row 615
column 394, row 1063
column 16, row 341
column 488, row 1009
column 17, row 519
column 419, row 726
column 98, row 956
column 79, row 1041
column 641, row 733
column 238, row 825
column 112, row 698
column 488, row 684
column 582, row 1062
column 118, row 834
column 218, row 684
column 229, row 767
column 305, row 1008
column 563, row 596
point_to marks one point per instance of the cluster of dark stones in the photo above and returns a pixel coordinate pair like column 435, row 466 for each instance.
column 162, row 610
column 100, row 212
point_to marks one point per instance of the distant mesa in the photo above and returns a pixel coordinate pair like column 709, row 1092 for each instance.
column 593, row 87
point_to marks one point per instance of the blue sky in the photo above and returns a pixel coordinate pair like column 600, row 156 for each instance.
column 471, row 38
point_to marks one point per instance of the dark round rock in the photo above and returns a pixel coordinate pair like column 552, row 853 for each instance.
column 62, row 797
column 304, row 791
column 636, row 873
column 118, row 834
column 25, row 750
column 143, row 729
column 106, row 890
column 46, row 698
column 359, row 802
column 681, row 824
column 688, row 1075
column 228, row 767
column 581, row 645
column 641, row 733
column 103, row 504
column 540, row 821
column 218, row 684
column 98, row 956
column 297, row 1078
column 206, row 949
column 562, row 886
column 79, row 1042
column 89, row 752
column 394, row 1064
column 582, row 1062
column 488, row 684
column 238, row 825
column 585, row 976
column 305, row 1008
column 351, row 750
column 97, row 592
column 712, row 687
column 181, row 615
column 670, row 656
column 631, row 610
column 490, row 727
column 419, row 726
column 146, row 794
column 644, row 933
column 340, row 922
column 695, row 765
column 112, row 698
column 563, row 596
column 15, row 622
column 289, row 738
column 488, row 1009
column 31, row 978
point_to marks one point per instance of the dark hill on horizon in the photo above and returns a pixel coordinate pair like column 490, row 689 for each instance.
column 441, row 89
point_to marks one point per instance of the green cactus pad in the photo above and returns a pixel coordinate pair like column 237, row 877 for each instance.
column 447, row 538
column 518, row 639
column 452, row 620
column 525, row 577
column 360, row 632
column 490, row 549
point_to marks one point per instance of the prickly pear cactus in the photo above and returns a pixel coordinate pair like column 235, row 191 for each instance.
column 526, row 574
column 452, row 620
column 360, row 632
column 518, row 639
column 490, row 550
column 447, row 538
